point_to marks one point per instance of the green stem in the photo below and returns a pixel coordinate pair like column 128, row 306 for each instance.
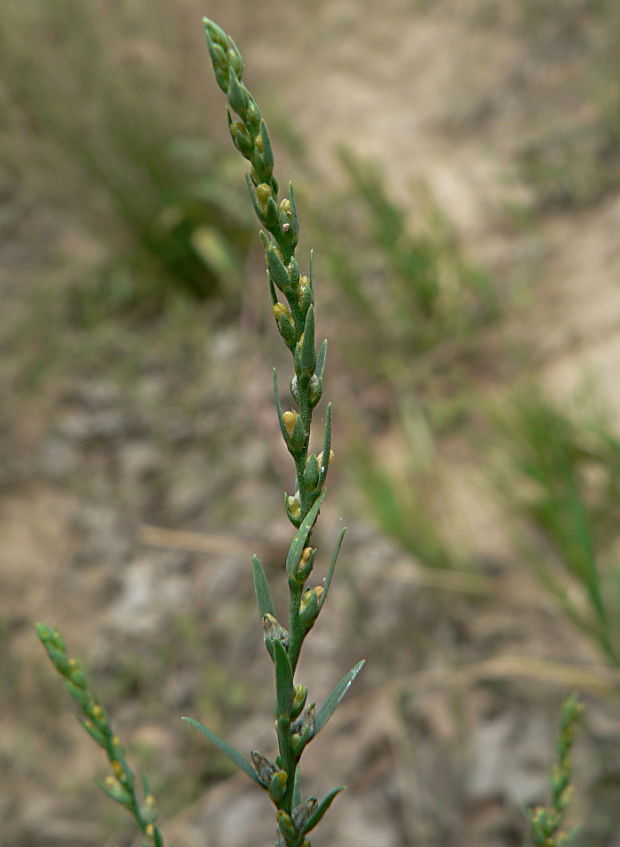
column 296, row 631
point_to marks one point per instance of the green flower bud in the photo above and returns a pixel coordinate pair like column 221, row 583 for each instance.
column 285, row 323
column 304, row 566
column 303, row 812
column 310, row 606
column 277, row 785
column 241, row 139
column 149, row 809
column 237, row 95
column 299, row 700
column 274, row 631
column 304, row 294
column 293, row 508
column 286, row 826
column 264, row 768
column 315, row 390
column 311, row 473
column 294, row 386
column 116, row 791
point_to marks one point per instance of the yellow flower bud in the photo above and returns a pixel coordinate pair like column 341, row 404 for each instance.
column 293, row 506
column 117, row 768
column 150, row 830
column 263, row 193
column 281, row 310
column 289, row 419
column 320, row 458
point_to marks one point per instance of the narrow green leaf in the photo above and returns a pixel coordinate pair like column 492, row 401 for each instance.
column 267, row 151
column 272, row 291
column 284, row 680
column 278, row 402
column 327, row 442
column 299, row 539
column 329, row 706
column 252, row 193
column 323, row 806
column 225, row 747
column 261, row 589
column 332, row 565
column 293, row 272
column 121, row 796
column 320, row 360
column 297, row 787
column 294, row 231
column 308, row 359
column 93, row 732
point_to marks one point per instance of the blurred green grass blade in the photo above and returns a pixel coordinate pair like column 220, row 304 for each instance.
column 332, row 565
column 234, row 755
column 331, row 703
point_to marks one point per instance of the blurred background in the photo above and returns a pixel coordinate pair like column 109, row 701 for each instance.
column 457, row 166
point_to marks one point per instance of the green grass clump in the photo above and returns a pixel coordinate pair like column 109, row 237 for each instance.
column 565, row 482
column 403, row 497
column 406, row 283
column 101, row 130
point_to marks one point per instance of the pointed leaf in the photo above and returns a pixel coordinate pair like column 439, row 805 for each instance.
column 277, row 271
column 272, row 291
column 252, row 193
column 225, row 747
column 93, row 732
column 118, row 798
column 261, row 589
column 284, row 680
column 297, row 787
column 294, row 231
column 278, row 402
column 329, row 706
column 267, row 151
column 330, row 572
column 320, row 359
column 327, row 443
column 308, row 359
column 323, row 806
column 299, row 539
